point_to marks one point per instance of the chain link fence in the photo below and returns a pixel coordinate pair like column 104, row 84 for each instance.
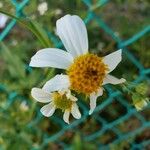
column 112, row 126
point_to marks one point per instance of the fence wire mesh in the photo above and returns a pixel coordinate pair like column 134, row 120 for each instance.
column 114, row 96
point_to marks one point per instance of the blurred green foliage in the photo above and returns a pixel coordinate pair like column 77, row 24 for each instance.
column 124, row 17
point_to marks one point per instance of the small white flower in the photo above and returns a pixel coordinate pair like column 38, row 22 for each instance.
column 140, row 104
column 56, row 100
column 42, row 8
column 3, row 20
column 24, row 106
column 86, row 73
column 58, row 11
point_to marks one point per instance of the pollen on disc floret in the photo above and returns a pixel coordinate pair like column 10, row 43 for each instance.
column 86, row 74
column 61, row 101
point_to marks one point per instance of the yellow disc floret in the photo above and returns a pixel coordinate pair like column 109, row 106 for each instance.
column 86, row 74
column 61, row 101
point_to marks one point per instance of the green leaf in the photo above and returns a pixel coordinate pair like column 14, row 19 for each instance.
column 77, row 143
column 33, row 26
column 141, row 88
column 136, row 97
column 40, row 33
column 15, row 64
column 49, row 74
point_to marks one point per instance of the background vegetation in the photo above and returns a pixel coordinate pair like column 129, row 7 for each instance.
column 21, row 124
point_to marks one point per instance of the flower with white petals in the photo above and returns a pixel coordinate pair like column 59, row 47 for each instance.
column 24, row 106
column 86, row 73
column 42, row 8
column 56, row 100
column 141, row 103
column 3, row 20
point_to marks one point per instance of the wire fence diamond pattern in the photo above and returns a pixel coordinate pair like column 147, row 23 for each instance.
column 113, row 95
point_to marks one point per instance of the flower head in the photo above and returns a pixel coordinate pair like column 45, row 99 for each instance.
column 86, row 73
column 90, row 70
column 140, row 104
column 42, row 8
column 56, row 100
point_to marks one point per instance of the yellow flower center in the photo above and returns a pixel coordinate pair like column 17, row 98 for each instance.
column 86, row 74
column 61, row 101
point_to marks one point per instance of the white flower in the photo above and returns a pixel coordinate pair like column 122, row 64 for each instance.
column 56, row 100
column 140, row 104
column 86, row 73
column 58, row 11
column 3, row 20
column 24, row 106
column 42, row 8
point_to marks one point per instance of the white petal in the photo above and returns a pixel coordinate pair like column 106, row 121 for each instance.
column 113, row 59
column 51, row 57
column 40, row 95
column 93, row 98
column 66, row 116
column 48, row 109
column 99, row 92
column 3, row 20
column 59, row 82
column 75, row 111
column 92, row 104
column 112, row 80
column 70, row 96
column 72, row 32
